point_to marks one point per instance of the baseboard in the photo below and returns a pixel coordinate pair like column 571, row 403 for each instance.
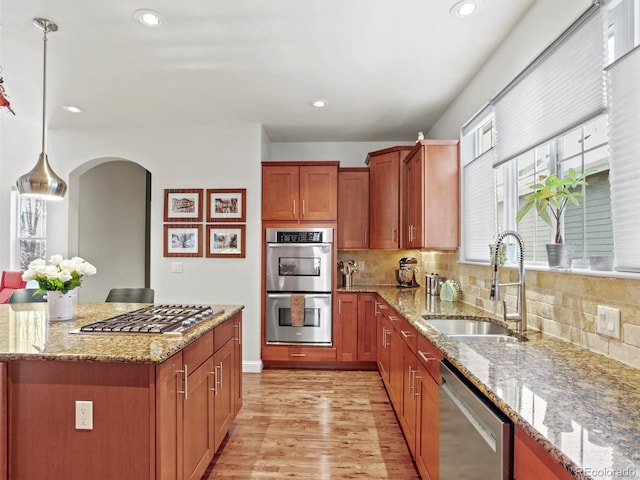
column 252, row 367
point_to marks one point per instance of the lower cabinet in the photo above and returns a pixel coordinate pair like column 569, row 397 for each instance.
column 3, row 421
column 355, row 327
column 531, row 462
column 427, row 452
column 150, row 421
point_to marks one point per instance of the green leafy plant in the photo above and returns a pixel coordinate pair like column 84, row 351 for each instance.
column 551, row 195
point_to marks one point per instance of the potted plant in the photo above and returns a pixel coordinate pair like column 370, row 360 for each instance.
column 550, row 195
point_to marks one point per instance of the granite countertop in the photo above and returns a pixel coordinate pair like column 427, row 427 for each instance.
column 26, row 334
column 581, row 407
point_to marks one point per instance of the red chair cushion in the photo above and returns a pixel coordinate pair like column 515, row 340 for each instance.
column 10, row 281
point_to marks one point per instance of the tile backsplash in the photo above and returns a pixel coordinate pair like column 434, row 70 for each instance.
column 560, row 304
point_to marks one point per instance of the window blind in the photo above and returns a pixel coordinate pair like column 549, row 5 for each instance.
column 478, row 208
column 624, row 143
column 561, row 89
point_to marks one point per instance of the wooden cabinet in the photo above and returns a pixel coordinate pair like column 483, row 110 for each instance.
column 3, row 422
column 408, row 417
column 353, row 208
column 355, row 327
column 384, row 197
column 292, row 191
column 289, row 355
column 384, row 331
column 237, row 354
column 531, row 462
column 150, row 421
column 430, row 212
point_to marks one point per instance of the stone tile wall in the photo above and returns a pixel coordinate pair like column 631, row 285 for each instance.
column 560, row 304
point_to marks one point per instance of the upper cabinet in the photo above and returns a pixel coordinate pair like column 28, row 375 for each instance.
column 353, row 212
column 384, row 196
column 300, row 191
column 430, row 209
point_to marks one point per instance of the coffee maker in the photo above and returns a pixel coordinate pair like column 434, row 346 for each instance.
column 406, row 273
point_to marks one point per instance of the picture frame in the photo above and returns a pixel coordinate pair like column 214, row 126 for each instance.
column 182, row 240
column 183, row 204
column 226, row 204
column 226, row 241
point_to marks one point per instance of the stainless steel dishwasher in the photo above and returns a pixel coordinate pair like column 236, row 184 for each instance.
column 476, row 440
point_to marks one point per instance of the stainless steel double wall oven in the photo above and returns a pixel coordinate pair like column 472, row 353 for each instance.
column 299, row 271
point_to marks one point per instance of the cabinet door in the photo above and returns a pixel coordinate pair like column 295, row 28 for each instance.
column 384, row 200
column 346, row 327
column 280, row 192
column 237, row 363
column 427, row 455
column 223, row 363
column 169, row 408
column 353, row 208
column 440, row 212
column 318, row 193
column 384, row 348
column 367, row 334
column 413, row 194
column 4, row 418
column 408, row 398
column 531, row 462
column 198, row 421
column 396, row 370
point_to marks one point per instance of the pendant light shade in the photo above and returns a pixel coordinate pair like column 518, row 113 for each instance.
column 42, row 181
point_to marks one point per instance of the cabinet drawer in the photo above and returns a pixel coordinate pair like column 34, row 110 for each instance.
column 430, row 357
column 408, row 333
column 197, row 352
column 222, row 334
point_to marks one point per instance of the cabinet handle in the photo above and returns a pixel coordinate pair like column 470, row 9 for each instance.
column 385, row 338
column 214, row 374
column 239, row 334
column 294, row 208
column 405, row 334
column 297, row 354
column 340, row 307
column 302, row 208
column 394, row 234
column 415, row 387
column 392, row 318
column 424, row 356
column 185, row 392
column 380, row 307
column 411, row 373
column 365, row 236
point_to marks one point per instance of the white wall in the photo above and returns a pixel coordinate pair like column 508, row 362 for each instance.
column 349, row 154
column 211, row 156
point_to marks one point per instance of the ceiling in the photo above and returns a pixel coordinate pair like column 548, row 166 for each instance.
column 387, row 68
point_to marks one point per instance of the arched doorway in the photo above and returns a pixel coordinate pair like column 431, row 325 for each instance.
column 112, row 211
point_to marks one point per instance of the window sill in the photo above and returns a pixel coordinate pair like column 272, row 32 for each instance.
column 541, row 267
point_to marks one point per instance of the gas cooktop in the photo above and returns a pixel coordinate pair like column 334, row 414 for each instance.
column 165, row 319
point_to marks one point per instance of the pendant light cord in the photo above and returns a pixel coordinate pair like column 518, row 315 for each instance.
column 44, row 87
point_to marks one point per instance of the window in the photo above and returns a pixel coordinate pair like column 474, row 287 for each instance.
column 31, row 228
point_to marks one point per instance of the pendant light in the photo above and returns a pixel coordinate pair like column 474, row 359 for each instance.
column 42, row 181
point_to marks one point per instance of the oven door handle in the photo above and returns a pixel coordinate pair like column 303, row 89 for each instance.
column 307, row 295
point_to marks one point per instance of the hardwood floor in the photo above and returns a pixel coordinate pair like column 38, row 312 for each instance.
column 311, row 424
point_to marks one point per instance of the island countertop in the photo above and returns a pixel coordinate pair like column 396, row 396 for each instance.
column 581, row 407
column 26, row 334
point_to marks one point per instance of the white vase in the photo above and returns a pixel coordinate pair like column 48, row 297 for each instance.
column 60, row 305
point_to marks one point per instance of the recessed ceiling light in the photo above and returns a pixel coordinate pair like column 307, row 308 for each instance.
column 149, row 18
column 466, row 8
column 319, row 103
column 72, row 109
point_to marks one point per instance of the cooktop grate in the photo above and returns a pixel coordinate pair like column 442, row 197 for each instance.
column 167, row 319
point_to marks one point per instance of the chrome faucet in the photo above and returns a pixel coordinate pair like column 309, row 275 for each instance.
column 520, row 315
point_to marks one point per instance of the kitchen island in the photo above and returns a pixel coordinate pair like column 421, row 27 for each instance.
column 160, row 405
column 580, row 408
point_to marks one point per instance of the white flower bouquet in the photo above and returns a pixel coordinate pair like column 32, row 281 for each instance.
column 60, row 274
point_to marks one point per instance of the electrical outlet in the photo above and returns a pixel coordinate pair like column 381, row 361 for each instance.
column 176, row 267
column 84, row 415
column 608, row 321
column 361, row 266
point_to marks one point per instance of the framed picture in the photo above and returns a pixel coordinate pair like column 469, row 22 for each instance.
column 182, row 240
column 225, row 241
column 226, row 205
column 183, row 205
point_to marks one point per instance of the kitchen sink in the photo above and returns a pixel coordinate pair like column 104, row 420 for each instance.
column 472, row 329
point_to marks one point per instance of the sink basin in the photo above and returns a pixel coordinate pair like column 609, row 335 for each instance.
column 472, row 329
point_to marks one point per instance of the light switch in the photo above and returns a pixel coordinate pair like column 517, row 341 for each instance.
column 608, row 321
column 176, row 267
